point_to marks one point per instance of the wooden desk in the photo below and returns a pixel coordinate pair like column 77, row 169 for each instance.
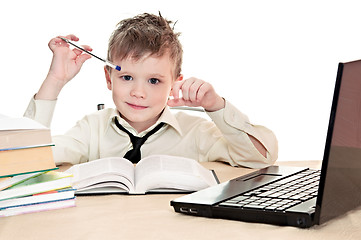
column 152, row 217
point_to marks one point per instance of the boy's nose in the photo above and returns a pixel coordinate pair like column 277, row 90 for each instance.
column 138, row 90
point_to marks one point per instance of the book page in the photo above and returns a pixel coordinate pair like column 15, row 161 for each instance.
column 102, row 181
column 104, row 188
column 103, row 170
column 170, row 172
column 8, row 123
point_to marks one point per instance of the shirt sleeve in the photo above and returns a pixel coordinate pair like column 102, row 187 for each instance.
column 69, row 148
column 41, row 111
column 240, row 151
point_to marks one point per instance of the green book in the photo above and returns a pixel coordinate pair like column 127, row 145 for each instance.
column 12, row 181
column 44, row 182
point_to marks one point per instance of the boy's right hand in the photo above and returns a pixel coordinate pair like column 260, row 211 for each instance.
column 66, row 63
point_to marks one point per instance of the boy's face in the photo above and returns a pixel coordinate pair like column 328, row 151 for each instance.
column 141, row 89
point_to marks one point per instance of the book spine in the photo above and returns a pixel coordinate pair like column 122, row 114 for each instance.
column 36, row 188
column 26, row 147
column 38, row 198
column 38, row 208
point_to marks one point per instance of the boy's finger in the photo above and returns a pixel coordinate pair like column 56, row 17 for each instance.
column 186, row 88
column 176, row 88
column 194, row 89
column 72, row 37
column 82, row 58
column 176, row 102
column 77, row 51
column 56, row 43
column 203, row 89
column 85, row 47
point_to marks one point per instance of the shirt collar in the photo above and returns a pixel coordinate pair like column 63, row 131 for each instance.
column 167, row 117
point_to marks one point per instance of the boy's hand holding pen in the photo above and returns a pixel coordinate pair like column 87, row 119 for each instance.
column 77, row 56
column 65, row 65
column 108, row 63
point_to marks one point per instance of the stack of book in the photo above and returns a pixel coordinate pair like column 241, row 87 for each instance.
column 25, row 146
column 28, row 180
column 34, row 192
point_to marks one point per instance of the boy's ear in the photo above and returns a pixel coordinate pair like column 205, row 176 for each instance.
column 180, row 77
column 107, row 78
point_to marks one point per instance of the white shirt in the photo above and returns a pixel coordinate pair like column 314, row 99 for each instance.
column 222, row 139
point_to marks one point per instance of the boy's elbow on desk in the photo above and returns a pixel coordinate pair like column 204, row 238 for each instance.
column 262, row 156
column 256, row 162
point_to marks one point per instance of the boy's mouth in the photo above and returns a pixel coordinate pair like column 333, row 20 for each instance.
column 135, row 106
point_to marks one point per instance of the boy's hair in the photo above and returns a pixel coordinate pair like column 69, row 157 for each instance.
column 145, row 34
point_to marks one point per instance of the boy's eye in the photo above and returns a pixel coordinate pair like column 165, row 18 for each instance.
column 127, row 77
column 153, row 81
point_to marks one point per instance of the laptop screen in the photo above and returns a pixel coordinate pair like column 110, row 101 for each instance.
column 340, row 183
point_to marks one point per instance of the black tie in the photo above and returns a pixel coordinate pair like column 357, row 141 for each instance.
column 134, row 154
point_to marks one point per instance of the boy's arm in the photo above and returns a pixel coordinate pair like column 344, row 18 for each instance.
column 66, row 63
column 196, row 92
column 41, row 111
column 238, row 147
column 71, row 147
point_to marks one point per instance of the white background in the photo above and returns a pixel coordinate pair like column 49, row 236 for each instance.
column 275, row 60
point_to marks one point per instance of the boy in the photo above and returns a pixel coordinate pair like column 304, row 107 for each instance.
column 150, row 57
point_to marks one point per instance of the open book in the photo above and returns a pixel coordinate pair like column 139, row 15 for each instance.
column 156, row 173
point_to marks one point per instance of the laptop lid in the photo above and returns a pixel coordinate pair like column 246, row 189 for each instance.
column 340, row 182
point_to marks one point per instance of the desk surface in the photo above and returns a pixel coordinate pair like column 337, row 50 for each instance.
column 152, row 217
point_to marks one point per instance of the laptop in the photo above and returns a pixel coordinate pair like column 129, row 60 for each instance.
column 292, row 196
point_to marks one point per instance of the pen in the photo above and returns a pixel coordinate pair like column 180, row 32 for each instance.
column 116, row 67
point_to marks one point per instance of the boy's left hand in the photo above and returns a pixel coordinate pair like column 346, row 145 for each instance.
column 195, row 93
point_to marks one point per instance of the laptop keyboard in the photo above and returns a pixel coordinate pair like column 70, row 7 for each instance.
column 279, row 195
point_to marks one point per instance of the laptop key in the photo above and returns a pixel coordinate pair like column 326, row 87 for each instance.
column 239, row 198
column 229, row 204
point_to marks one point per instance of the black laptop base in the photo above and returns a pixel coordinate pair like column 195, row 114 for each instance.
column 292, row 217
column 210, row 203
column 296, row 219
